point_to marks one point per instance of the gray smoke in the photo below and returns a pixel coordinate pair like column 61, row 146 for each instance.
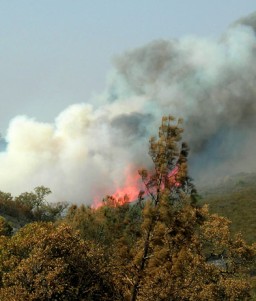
column 2, row 144
column 88, row 151
column 212, row 85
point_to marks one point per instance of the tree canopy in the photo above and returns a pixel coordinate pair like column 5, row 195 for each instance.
column 164, row 246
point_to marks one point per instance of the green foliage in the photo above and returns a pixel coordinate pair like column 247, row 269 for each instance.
column 106, row 225
column 235, row 198
column 29, row 207
column 44, row 262
column 5, row 227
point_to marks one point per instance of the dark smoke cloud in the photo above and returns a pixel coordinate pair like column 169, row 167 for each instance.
column 3, row 144
column 210, row 84
column 132, row 126
column 87, row 150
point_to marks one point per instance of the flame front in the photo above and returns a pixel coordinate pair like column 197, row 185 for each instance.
column 129, row 191
column 126, row 193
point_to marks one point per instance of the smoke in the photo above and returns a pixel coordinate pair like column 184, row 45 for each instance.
column 86, row 151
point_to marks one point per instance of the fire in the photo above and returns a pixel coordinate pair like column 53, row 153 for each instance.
column 172, row 177
column 126, row 193
column 131, row 188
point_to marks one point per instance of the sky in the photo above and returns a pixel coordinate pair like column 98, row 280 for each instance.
column 58, row 52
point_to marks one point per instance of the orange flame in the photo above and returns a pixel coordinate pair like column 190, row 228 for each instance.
column 131, row 188
column 126, row 193
column 173, row 177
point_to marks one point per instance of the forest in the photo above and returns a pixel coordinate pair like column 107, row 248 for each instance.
column 168, row 245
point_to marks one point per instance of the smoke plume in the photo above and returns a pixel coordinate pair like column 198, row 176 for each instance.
column 88, row 150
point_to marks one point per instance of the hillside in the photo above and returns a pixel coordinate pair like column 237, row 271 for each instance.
column 235, row 198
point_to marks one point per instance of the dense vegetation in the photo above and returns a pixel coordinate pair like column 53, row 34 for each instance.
column 165, row 246
column 28, row 207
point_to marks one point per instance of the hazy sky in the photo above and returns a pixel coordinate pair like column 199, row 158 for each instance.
column 58, row 52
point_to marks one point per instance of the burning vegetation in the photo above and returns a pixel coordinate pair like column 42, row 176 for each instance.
column 137, row 245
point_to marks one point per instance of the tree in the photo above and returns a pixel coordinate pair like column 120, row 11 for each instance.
column 169, row 179
column 5, row 227
column 166, row 247
column 45, row 262
column 172, row 257
column 30, row 206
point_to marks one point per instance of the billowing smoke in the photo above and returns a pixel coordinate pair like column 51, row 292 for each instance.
column 88, row 151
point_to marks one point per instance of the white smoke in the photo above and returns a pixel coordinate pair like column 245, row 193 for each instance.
column 85, row 151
